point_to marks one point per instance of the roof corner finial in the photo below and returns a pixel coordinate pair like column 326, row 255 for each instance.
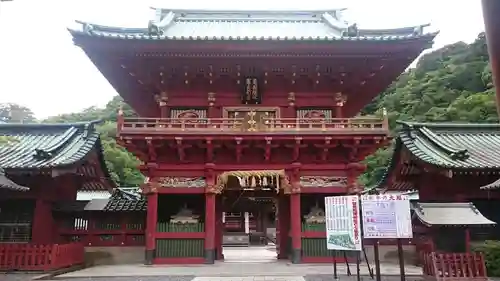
column 153, row 29
column 351, row 31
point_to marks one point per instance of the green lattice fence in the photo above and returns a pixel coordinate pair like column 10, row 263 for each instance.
column 179, row 248
column 180, row 227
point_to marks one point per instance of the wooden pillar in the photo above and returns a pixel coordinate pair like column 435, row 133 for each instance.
column 43, row 223
column 219, row 230
column 209, row 228
column 283, row 226
column 467, row 240
column 491, row 10
column 151, row 220
column 295, row 227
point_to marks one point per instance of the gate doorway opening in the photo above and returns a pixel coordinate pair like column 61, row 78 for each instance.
column 250, row 219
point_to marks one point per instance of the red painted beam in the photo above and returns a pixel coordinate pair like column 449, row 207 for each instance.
column 324, row 190
column 181, row 190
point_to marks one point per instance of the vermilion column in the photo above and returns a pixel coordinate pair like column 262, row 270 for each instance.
column 283, row 226
column 491, row 12
column 219, row 231
column 209, row 228
column 151, row 220
column 295, row 227
column 43, row 223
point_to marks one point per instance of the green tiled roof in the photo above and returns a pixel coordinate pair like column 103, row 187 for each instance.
column 37, row 146
column 7, row 183
column 251, row 25
column 122, row 200
column 47, row 146
column 455, row 146
column 493, row 185
column 450, row 146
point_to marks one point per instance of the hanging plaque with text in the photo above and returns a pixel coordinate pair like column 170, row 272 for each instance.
column 251, row 94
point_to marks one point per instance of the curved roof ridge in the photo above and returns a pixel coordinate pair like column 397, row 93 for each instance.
column 265, row 11
column 457, row 126
column 49, row 125
column 453, row 151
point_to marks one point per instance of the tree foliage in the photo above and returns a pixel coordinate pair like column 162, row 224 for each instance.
column 15, row 113
column 451, row 84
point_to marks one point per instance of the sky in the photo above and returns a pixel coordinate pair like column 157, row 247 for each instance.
column 41, row 69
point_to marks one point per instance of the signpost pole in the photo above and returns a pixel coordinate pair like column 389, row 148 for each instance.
column 377, row 260
column 358, row 269
column 334, row 254
column 348, row 268
column 401, row 260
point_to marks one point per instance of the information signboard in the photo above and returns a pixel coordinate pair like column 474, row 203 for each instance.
column 386, row 216
column 343, row 231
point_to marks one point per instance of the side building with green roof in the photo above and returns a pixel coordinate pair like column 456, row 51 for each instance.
column 455, row 169
column 50, row 163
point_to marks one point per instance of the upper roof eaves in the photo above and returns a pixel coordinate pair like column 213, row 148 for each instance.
column 314, row 25
column 37, row 146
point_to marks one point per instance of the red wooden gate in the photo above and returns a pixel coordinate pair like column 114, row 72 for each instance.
column 40, row 257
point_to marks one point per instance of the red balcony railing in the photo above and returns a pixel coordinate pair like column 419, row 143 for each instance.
column 240, row 125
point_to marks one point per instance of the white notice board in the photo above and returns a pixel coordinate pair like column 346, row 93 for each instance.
column 386, row 216
column 343, row 231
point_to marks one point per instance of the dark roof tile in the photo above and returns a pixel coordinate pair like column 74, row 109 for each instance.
column 7, row 183
column 437, row 214
column 446, row 145
column 41, row 146
column 122, row 200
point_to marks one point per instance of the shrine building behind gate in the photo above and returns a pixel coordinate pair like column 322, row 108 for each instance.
column 455, row 169
column 239, row 108
column 41, row 166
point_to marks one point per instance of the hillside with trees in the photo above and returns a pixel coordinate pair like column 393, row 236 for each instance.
column 451, row 84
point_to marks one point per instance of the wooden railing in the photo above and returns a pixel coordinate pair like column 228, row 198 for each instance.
column 240, row 125
column 34, row 257
column 98, row 230
column 454, row 267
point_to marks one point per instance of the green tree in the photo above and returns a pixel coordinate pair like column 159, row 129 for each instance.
column 450, row 84
column 15, row 113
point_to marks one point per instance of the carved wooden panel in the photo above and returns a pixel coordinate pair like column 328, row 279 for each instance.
column 188, row 114
column 314, row 114
column 252, row 118
column 196, row 182
column 322, row 181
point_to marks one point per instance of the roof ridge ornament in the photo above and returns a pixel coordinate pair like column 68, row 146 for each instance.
column 351, row 31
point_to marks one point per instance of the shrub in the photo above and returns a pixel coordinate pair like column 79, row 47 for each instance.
column 491, row 252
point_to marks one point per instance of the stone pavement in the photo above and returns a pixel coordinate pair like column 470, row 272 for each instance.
column 222, row 269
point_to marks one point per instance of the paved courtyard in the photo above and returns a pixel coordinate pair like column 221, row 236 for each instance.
column 241, row 264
